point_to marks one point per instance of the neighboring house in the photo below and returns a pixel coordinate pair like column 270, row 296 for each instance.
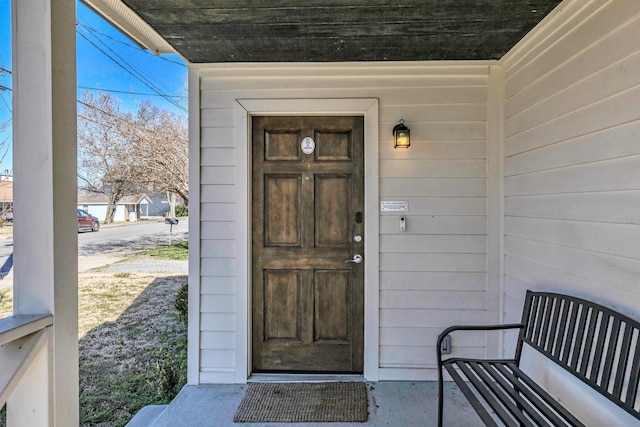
column 129, row 208
column 523, row 173
column 160, row 205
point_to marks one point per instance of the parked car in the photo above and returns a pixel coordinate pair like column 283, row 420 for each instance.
column 7, row 216
column 87, row 222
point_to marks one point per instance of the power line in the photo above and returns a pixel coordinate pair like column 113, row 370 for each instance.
column 93, row 32
column 136, row 48
column 135, row 73
column 4, row 101
column 131, row 92
column 131, row 70
column 93, row 107
column 99, row 89
column 103, row 90
column 139, row 77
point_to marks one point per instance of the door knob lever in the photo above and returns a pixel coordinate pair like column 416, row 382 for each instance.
column 357, row 259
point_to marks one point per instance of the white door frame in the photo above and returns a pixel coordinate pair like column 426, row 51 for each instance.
column 367, row 107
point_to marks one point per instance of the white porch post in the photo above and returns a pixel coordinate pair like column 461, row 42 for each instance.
column 45, row 192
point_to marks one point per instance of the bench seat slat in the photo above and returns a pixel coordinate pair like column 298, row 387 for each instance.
column 486, row 395
column 503, row 391
column 471, row 397
column 495, row 399
column 530, row 403
column 544, row 395
column 515, row 386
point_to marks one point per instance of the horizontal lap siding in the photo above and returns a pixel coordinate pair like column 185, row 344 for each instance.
column 432, row 275
column 218, row 219
column 572, row 160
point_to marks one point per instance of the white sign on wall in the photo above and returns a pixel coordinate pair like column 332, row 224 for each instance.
column 394, row 206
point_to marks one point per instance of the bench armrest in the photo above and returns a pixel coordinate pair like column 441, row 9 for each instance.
column 450, row 329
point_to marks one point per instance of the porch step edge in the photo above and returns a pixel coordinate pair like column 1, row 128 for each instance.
column 146, row 416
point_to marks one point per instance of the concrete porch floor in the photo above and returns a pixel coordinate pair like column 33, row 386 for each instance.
column 390, row 404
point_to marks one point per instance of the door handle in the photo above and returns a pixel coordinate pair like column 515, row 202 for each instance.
column 357, row 259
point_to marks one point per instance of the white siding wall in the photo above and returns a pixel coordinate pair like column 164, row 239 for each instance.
column 572, row 157
column 432, row 275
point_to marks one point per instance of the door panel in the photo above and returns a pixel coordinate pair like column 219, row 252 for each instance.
column 281, row 295
column 281, row 145
column 332, row 305
column 282, row 210
column 332, row 211
column 308, row 304
column 336, row 146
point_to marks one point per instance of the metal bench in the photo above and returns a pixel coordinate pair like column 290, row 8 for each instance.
column 599, row 346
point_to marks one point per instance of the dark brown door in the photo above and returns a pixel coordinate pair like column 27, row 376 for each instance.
column 308, row 303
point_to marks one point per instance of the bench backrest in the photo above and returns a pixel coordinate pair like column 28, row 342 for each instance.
column 596, row 344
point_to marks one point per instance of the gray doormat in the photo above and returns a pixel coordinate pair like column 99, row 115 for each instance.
column 303, row 402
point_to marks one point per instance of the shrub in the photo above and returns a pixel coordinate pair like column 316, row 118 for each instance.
column 182, row 303
column 171, row 369
column 172, row 372
column 182, row 210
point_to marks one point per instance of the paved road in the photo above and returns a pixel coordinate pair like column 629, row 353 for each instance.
column 107, row 246
column 120, row 241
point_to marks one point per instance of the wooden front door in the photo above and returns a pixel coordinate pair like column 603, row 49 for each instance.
column 308, row 219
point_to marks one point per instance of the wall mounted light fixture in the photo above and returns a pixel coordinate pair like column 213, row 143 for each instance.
column 401, row 135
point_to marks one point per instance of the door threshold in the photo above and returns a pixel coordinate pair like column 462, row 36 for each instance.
column 304, row 378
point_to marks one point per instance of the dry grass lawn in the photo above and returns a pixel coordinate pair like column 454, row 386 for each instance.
column 132, row 347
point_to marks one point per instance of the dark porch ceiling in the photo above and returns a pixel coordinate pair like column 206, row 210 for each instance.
column 341, row 30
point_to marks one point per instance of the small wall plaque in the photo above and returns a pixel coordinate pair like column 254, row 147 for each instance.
column 308, row 145
column 394, row 206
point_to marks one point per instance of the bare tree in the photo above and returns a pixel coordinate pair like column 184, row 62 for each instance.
column 5, row 110
column 162, row 150
column 120, row 152
column 106, row 164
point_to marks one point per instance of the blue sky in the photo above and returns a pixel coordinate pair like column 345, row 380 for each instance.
column 107, row 60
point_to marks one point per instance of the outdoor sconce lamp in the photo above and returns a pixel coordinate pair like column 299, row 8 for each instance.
column 401, row 135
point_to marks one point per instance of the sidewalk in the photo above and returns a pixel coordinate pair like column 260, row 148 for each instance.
column 85, row 263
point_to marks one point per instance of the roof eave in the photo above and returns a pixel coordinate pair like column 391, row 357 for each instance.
column 130, row 24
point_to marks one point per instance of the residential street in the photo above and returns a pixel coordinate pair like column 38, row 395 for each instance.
column 109, row 245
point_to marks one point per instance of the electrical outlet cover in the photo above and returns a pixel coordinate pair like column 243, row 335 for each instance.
column 446, row 345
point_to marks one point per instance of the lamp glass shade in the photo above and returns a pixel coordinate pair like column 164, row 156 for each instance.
column 401, row 135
